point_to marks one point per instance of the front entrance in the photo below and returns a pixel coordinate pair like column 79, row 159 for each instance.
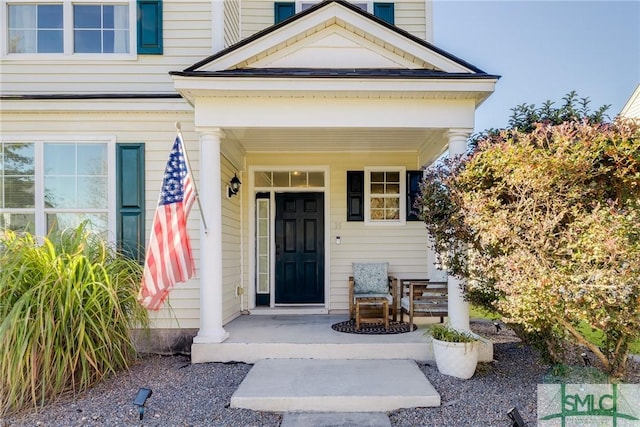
column 299, row 248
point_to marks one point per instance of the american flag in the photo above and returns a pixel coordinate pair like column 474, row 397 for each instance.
column 169, row 259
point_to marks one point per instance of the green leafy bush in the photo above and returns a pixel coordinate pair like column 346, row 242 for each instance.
column 68, row 304
column 544, row 225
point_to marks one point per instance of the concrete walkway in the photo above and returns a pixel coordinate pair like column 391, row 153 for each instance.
column 321, row 385
column 335, row 419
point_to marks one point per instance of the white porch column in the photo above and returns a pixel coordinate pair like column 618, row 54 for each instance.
column 210, row 190
column 458, row 307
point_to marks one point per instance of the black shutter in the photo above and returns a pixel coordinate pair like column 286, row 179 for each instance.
column 283, row 10
column 413, row 190
column 149, row 27
column 355, row 195
column 130, row 199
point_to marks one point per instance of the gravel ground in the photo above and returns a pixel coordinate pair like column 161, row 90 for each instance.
column 198, row 395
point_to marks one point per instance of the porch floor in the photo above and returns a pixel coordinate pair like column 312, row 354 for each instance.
column 252, row 338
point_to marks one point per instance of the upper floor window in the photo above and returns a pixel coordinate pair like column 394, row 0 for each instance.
column 382, row 10
column 69, row 27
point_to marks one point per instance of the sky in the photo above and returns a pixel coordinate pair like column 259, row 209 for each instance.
column 544, row 49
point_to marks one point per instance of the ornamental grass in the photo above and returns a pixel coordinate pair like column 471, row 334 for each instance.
column 68, row 305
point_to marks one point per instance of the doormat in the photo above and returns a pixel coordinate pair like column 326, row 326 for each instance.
column 349, row 327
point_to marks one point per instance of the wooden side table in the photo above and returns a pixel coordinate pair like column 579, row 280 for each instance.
column 373, row 303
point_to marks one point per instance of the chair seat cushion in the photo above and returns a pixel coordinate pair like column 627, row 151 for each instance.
column 371, row 278
column 387, row 296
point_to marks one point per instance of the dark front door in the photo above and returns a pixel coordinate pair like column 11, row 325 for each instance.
column 299, row 248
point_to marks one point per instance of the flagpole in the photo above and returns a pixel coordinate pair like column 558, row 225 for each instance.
column 195, row 187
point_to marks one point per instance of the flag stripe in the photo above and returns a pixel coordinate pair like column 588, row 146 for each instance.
column 169, row 258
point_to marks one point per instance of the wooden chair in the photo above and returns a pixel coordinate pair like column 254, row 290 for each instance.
column 367, row 295
column 422, row 298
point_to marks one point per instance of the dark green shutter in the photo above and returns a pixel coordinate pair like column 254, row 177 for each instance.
column 355, row 195
column 283, row 10
column 130, row 199
column 413, row 191
column 384, row 11
column 150, row 27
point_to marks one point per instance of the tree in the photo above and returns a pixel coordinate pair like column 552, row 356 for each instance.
column 542, row 220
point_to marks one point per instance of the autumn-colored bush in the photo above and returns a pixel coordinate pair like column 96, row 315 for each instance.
column 545, row 227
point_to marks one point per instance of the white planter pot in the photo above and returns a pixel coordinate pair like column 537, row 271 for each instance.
column 457, row 359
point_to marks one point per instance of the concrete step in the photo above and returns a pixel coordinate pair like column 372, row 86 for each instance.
column 321, row 385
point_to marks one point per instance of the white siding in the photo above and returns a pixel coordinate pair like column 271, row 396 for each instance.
column 186, row 40
column 256, row 16
column 231, row 22
column 156, row 129
column 411, row 16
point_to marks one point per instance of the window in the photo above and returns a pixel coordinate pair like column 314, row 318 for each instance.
column 73, row 27
column 385, row 200
column 49, row 185
column 284, row 10
column 35, row 28
column 100, row 28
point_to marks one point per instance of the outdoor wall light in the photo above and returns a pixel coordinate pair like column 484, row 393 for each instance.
column 514, row 416
column 234, row 186
column 141, row 399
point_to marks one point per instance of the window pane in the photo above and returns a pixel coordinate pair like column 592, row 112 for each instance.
column 17, row 159
column 19, row 192
column 298, row 179
column 262, row 179
column 280, row 179
column 50, row 16
column 393, row 189
column 87, row 41
column 59, row 159
column 60, row 192
column 92, row 159
column 87, row 16
column 377, row 188
column 92, row 192
column 23, row 16
column 393, row 177
column 17, row 175
column 377, row 176
column 50, row 41
column 18, row 222
column 97, row 222
column 316, row 179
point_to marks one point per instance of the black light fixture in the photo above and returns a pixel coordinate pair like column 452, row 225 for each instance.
column 234, row 186
column 141, row 399
column 515, row 417
column 498, row 327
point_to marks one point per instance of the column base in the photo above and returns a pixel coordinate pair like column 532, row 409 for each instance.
column 210, row 337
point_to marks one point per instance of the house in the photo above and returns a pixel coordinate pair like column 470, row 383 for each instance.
column 325, row 112
column 631, row 108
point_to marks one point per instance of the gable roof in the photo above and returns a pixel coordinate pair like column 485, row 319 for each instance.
column 334, row 39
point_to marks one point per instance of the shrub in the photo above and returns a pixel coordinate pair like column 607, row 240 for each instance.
column 68, row 304
column 544, row 225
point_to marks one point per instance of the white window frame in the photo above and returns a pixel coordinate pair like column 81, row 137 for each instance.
column 402, row 220
column 68, row 28
column 39, row 209
column 299, row 4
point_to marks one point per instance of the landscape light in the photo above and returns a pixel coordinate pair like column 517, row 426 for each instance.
column 514, row 416
column 141, row 399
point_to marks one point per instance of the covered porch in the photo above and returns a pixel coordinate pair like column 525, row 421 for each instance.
column 329, row 94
